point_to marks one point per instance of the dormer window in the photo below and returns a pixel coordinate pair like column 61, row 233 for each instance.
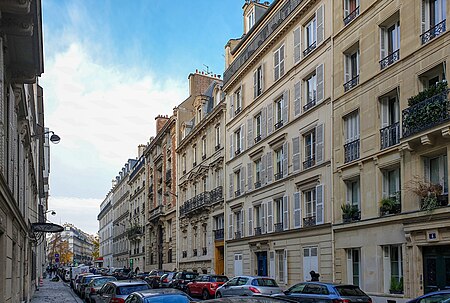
column 199, row 114
column 250, row 19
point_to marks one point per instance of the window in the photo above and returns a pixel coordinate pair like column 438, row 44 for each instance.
column 281, row 265
column 310, row 149
column 205, row 185
column 278, row 203
column 238, row 141
column 278, row 63
column 258, row 173
column 279, row 103
column 390, row 125
column 353, row 193
column 279, row 164
column 237, row 177
column 433, row 19
column 259, row 219
column 351, row 10
column 194, row 148
column 436, row 171
column 258, row 78
column 250, row 19
column 351, row 67
column 389, row 43
column 183, row 163
column 311, row 92
column 310, row 207
column 310, row 36
column 239, row 219
column 217, row 97
column 199, row 114
column 392, row 266
column 238, row 101
column 391, row 183
column 258, row 128
column 217, row 136
column 351, row 146
column 354, row 266
column 204, row 148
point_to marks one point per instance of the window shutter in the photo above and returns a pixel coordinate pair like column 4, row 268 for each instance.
column 230, row 186
column 347, row 68
column 285, row 264
column 346, row 8
column 286, row 212
column 242, row 187
column 319, row 143
column 426, row 166
column 386, row 268
column 320, row 27
column 255, row 83
column 383, row 34
column 231, row 146
column 297, row 98
column 263, row 122
column 263, row 170
column 262, row 76
column 319, row 204
column 242, row 227
column 357, row 64
column 281, row 61
column 296, row 154
column 250, row 221
column 384, row 112
column 230, row 226
column 250, row 176
column 270, row 118
column 241, row 88
column 349, row 266
column 269, row 216
column 385, row 189
column 272, row 264
column 276, row 67
column 285, row 110
column 269, row 171
column 285, row 159
column 231, row 107
column 320, row 83
column 424, row 21
column 242, row 138
column 263, row 217
column 250, row 132
column 297, row 45
column 297, row 210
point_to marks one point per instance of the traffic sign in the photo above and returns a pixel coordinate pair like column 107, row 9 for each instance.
column 56, row 260
column 56, row 255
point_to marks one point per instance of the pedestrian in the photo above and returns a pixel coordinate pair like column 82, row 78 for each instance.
column 136, row 271
column 314, row 276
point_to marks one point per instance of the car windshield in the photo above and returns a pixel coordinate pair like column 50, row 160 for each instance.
column 219, row 279
column 190, row 276
column 264, row 282
column 349, row 290
column 167, row 299
column 128, row 289
column 99, row 282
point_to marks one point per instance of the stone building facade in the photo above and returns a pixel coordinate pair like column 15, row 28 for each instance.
column 105, row 231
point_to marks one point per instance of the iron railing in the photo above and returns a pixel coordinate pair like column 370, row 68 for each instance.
column 257, row 184
column 217, row 147
column 394, row 207
column 278, row 124
column 219, row 234
column 351, row 83
column 156, row 212
column 184, row 255
column 237, row 151
column 168, row 175
column 352, row 15
column 309, row 162
column 390, row 135
column 278, row 176
column 238, row 234
column 237, row 193
column 194, row 252
column 309, row 49
column 309, row 221
column 433, row 32
column 258, row 231
column 351, row 151
column 278, row 227
column 309, row 105
column 257, row 138
column 204, row 251
column 237, row 111
column 217, row 194
column 389, row 59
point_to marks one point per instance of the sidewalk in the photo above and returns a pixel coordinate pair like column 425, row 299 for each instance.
column 52, row 292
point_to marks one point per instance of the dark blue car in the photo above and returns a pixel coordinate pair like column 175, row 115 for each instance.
column 433, row 297
column 318, row 292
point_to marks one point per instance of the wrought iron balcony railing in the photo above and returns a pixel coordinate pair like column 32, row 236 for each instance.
column 238, row 234
column 278, row 227
column 257, row 184
column 309, row 221
column 389, row 59
column 257, row 138
column 194, row 164
column 237, row 193
column 309, row 162
column 196, row 203
column 309, row 49
column 351, row 83
column 204, row 251
column 355, row 216
column 351, row 151
column 426, row 114
column 217, row 147
column 433, row 32
column 237, row 111
column 237, row 151
column 390, row 135
column 278, row 176
column 279, row 124
column 219, row 234
column 194, row 252
column 309, row 105
column 156, row 212
column 184, row 255
column 352, row 15
column 203, row 157
column 135, row 231
column 391, row 205
column 258, row 231
column 217, row 194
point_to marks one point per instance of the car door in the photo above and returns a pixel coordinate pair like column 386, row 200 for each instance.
column 241, row 289
column 227, row 289
column 108, row 294
column 317, row 292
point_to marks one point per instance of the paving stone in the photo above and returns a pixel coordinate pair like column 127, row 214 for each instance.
column 55, row 292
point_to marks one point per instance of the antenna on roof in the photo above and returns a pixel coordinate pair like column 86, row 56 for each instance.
column 207, row 69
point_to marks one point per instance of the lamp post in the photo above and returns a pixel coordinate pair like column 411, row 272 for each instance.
column 54, row 138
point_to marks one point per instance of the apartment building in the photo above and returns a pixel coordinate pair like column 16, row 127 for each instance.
column 121, row 211
column 80, row 244
column 137, row 215
column 160, row 162
column 391, row 146
column 105, row 231
column 278, row 86
column 201, row 150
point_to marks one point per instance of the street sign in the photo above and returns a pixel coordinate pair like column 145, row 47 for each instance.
column 56, row 255
column 56, row 260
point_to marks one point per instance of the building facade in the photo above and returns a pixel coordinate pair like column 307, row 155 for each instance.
column 80, row 244
column 200, row 155
column 278, row 131
column 105, row 231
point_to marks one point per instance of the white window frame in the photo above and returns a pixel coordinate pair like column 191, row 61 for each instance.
column 217, row 135
column 310, row 151
column 347, row 10
column 308, row 93
column 250, row 19
column 351, row 262
column 440, row 13
column 258, row 164
column 354, row 191
column 309, row 196
column 279, row 104
column 204, row 146
column 238, row 100
column 258, row 81
column 279, row 157
column 258, row 125
column 442, row 161
column 278, row 63
column 310, row 32
column 349, row 65
column 351, row 126
column 387, row 174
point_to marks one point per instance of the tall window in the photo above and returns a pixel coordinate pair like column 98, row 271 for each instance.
column 258, row 173
column 219, row 222
column 183, row 163
column 310, row 149
column 392, row 267
column 279, row 103
column 351, row 10
column 217, row 136
column 311, row 91
column 353, row 193
column 239, row 222
column 436, row 171
column 238, row 101
column 433, row 19
column 281, row 265
column 351, row 65
column 389, row 43
column 310, row 205
column 204, row 148
column 258, row 127
column 279, row 164
column 237, row 177
column 237, row 136
column 194, row 148
column 351, row 146
column 199, row 114
column 390, row 121
column 391, row 183
column 278, row 63
column 354, row 266
column 258, row 78
column 311, row 34
column 278, row 203
column 251, row 19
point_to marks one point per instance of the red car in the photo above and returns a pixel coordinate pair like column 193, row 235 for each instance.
column 205, row 286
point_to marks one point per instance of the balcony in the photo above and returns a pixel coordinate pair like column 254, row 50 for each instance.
column 237, row 151
column 168, row 175
column 390, row 135
column 278, row 176
column 309, row 105
column 184, row 254
column 279, row 124
column 237, row 193
column 194, row 252
column 197, row 203
column 389, row 59
column 219, row 234
column 351, row 16
column 309, row 221
column 351, row 151
column 350, row 213
column 351, row 83
column 278, row 227
column 237, row 111
column 134, row 232
column 426, row 114
column 257, row 138
column 257, row 184
column 310, row 48
column 434, row 202
column 216, row 194
column 309, row 162
column 258, row 231
column 238, row 234
column 217, row 147
column 156, row 212
column 204, row 251
column 433, row 32
column 390, row 205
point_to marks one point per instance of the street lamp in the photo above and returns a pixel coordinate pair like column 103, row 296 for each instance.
column 53, row 213
column 54, row 138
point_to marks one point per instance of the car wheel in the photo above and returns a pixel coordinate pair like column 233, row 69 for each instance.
column 205, row 295
column 218, row 295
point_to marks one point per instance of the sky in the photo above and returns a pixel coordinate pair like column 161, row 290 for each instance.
column 110, row 67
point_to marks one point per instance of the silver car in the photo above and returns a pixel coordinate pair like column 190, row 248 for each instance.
column 90, row 291
column 118, row 291
column 248, row 286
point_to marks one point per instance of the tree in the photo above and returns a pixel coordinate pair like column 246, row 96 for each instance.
column 61, row 247
column 96, row 248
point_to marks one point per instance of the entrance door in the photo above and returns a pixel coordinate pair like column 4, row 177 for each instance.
column 238, row 270
column 261, row 258
column 219, row 260
column 436, row 268
column 310, row 262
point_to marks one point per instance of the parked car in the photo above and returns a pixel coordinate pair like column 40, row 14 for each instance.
column 205, row 286
column 442, row 296
column 83, row 282
column 325, row 292
column 248, row 286
column 166, row 279
column 159, row 295
column 154, row 277
column 253, row 299
column 77, row 281
column 182, row 278
column 94, row 286
column 121, row 273
column 118, row 291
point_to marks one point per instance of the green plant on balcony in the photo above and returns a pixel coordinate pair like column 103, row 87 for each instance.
column 433, row 90
column 349, row 212
column 396, row 285
column 429, row 194
column 388, row 205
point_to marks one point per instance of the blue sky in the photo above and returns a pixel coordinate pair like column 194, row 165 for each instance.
column 110, row 68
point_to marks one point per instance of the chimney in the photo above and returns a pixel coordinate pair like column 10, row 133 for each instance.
column 141, row 150
column 199, row 83
column 160, row 122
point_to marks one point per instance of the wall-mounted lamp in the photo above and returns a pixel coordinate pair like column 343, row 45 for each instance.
column 53, row 213
column 54, row 138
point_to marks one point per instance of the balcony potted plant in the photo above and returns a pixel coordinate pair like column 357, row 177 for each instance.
column 396, row 286
column 349, row 212
column 430, row 194
column 389, row 205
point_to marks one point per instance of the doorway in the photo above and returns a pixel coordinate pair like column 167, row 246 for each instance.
column 436, row 268
column 261, row 259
